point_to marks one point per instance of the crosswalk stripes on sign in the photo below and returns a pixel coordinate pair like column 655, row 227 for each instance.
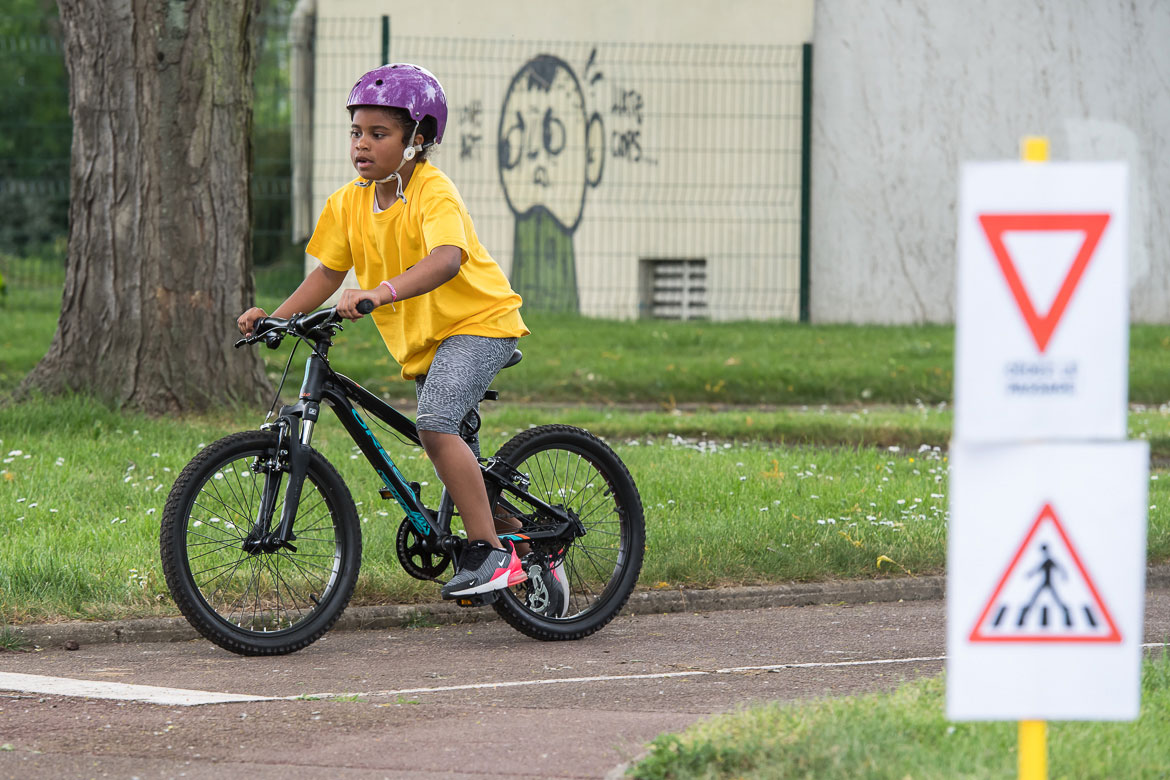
column 1046, row 593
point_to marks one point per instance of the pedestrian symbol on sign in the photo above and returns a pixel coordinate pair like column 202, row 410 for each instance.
column 1045, row 594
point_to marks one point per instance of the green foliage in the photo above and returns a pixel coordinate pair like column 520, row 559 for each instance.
column 11, row 641
column 35, row 130
column 271, row 140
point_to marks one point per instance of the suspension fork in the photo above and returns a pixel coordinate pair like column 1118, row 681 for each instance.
column 293, row 444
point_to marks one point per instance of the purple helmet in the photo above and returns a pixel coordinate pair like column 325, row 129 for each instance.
column 402, row 85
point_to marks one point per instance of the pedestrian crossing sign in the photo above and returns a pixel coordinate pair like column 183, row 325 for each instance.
column 1046, row 594
column 1046, row 565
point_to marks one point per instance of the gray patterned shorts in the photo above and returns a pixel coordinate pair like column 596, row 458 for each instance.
column 463, row 368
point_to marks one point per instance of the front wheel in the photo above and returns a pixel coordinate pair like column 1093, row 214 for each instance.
column 573, row 470
column 246, row 599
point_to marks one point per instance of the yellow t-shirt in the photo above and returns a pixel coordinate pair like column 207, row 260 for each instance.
column 477, row 302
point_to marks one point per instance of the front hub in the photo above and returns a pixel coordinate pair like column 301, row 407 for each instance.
column 266, row 544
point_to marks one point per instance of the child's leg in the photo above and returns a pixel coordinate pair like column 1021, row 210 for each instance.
column 461, row 372
column 459, row 470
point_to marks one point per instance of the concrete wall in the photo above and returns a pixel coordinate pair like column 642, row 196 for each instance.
column 905, row 90
column 688, row 114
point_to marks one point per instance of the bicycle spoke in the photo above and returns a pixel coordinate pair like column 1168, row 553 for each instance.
column 215, row 494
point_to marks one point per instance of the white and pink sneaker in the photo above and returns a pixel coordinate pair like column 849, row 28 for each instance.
column 484, row 568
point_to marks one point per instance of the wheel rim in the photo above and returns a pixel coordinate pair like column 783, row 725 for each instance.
column 262, row 593
column 594, row 563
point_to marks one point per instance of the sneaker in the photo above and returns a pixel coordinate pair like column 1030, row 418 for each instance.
column 485, row 568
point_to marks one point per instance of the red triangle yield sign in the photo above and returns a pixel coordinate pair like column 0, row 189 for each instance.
column 1052, row 602
column 995, row 225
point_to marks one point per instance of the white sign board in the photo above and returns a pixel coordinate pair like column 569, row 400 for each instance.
column 1042, row 314
column 1046, row 581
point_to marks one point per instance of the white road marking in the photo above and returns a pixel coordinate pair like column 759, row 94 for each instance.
column 829, row 664
column 619, row 677
column 96, row 689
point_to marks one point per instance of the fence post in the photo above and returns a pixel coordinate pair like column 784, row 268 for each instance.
column 805, row 177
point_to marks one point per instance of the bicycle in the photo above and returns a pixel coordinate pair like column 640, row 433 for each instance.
column 263, row 571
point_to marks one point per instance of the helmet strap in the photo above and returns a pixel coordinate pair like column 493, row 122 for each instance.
column 399, row 194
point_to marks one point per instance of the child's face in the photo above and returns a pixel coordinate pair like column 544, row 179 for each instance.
column 376, row 143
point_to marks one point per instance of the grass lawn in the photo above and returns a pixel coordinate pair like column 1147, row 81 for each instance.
column 905, row 734
column 82, row 489
column 662, row 364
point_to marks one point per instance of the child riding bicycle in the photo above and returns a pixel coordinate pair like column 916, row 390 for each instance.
column 446, row 310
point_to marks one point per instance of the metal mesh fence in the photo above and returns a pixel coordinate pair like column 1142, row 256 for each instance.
column 593, row 172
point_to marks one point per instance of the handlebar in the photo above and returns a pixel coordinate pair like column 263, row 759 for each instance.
column 271, row 330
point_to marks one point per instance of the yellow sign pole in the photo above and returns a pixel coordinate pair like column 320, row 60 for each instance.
column 1033, row 750
column 1033, row 733
column 1034, row 148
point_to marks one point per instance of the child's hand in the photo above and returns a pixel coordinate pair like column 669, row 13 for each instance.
column 247, row 321
column 347, row 304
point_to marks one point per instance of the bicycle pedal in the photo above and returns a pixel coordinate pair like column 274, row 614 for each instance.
column 478, row 600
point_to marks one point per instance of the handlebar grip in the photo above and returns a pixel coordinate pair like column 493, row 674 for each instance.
column 365, row 306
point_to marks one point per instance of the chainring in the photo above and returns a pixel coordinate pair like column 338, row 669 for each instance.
column 416, row 559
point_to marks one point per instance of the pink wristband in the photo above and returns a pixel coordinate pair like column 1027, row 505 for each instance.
column 393, row 293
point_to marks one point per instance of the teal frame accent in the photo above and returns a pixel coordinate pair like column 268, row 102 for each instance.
column 416, row 519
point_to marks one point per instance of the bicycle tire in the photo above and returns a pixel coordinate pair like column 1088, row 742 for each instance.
column 563, row 465
column 266, row 603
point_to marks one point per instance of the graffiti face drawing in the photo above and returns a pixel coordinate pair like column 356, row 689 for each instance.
column 550, row 149
column 550, row 152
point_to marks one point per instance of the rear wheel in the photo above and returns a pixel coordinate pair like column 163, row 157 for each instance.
column 573, row 470
column 248, row 600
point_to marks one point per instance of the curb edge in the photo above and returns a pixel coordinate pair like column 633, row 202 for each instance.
column 642, row 602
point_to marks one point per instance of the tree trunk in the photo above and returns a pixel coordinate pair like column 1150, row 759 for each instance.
column 159, row 216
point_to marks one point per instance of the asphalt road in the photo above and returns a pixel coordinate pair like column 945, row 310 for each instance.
column 457, row 701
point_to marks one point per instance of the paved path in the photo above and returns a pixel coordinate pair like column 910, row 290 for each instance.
column 457, row 701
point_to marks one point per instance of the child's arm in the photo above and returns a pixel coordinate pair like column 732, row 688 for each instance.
column 439, row 267
column 317, row 287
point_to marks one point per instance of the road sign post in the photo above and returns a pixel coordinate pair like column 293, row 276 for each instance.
column 1046, row 556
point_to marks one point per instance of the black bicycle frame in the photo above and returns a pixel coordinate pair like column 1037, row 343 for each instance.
column 295, row 424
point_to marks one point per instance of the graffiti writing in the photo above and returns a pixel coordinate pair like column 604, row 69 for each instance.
column 627, row 110
column 627, row 102
column 470, row 145
column 627, row 145
column 470, row 118
column 471, row 114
